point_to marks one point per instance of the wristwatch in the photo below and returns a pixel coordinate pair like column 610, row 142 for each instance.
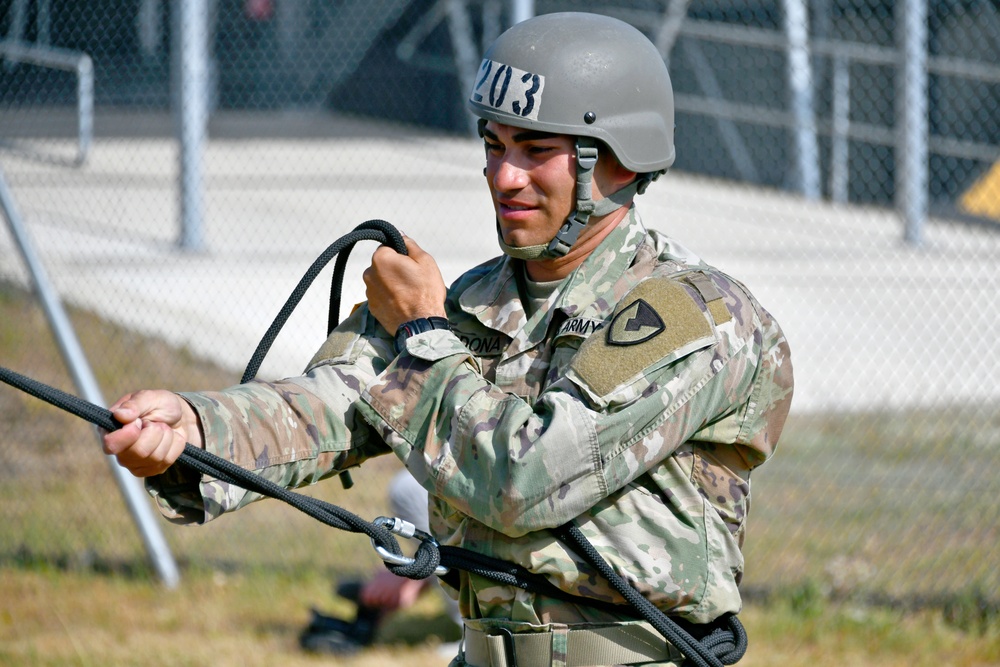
column 414, row 327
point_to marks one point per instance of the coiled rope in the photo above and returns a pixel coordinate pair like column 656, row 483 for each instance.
column 721, row 643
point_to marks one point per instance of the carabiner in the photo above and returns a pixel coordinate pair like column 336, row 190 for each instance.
column 398, row 526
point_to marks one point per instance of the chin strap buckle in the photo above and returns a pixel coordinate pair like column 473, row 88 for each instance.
column 568, row 233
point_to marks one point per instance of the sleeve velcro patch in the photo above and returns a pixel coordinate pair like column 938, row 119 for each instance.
column 655, row 323
column 342, row 343
column 712, row 297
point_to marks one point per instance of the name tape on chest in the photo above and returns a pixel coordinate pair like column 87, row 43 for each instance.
column 509, row 89
column 580, row 326
column 483, row 345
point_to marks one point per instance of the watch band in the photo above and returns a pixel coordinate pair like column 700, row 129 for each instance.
column 414, row 327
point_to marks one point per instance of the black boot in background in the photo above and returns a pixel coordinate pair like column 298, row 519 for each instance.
column 328, row 634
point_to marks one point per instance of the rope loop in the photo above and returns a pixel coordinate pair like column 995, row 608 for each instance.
column 427, row 559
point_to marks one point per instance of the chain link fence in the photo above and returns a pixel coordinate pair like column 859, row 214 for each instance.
column 179, row 187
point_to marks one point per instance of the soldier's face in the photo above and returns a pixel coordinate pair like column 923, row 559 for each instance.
column 532, row 179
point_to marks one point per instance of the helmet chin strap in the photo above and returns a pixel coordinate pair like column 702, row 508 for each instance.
column 586, row 160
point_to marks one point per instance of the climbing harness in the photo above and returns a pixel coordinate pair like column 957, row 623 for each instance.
column 723, row 642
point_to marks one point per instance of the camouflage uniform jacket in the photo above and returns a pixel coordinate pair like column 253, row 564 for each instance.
column 635, row 402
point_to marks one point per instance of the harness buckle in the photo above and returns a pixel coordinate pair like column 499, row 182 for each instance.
column 402, row 528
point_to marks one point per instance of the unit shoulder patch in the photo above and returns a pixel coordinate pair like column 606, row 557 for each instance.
column 637, row 323
column 655, row 323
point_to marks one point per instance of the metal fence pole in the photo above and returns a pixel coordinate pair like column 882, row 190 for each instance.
column 800, row 83
column 521, row 10
column 83, row 377
column 85, row 105
column 192, row 110
column 911, row 117
column 841, row 125
column 466, row 51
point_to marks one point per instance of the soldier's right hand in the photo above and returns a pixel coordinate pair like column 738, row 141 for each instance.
column 156, row 426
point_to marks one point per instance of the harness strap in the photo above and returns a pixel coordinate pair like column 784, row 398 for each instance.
column 630, row 644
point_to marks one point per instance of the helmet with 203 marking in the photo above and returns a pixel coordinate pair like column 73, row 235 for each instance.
column 583, row 75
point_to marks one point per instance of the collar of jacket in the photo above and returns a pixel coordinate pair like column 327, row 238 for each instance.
column 490, row 296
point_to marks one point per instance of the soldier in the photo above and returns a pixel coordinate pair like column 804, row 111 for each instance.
column 596, row 372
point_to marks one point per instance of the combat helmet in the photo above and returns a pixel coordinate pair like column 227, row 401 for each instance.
column 590, row 76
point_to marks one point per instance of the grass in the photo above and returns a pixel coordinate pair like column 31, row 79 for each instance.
column 62, row 618
column 881, row 505
column 861, row 550
column 52, row 617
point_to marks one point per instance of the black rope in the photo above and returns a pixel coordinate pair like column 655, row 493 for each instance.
column 371, row 230
column 723, row 644
column 94, row 414
column 512, row 574
column 726, row 645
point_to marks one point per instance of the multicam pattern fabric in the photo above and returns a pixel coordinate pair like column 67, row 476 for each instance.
column 515, row 426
